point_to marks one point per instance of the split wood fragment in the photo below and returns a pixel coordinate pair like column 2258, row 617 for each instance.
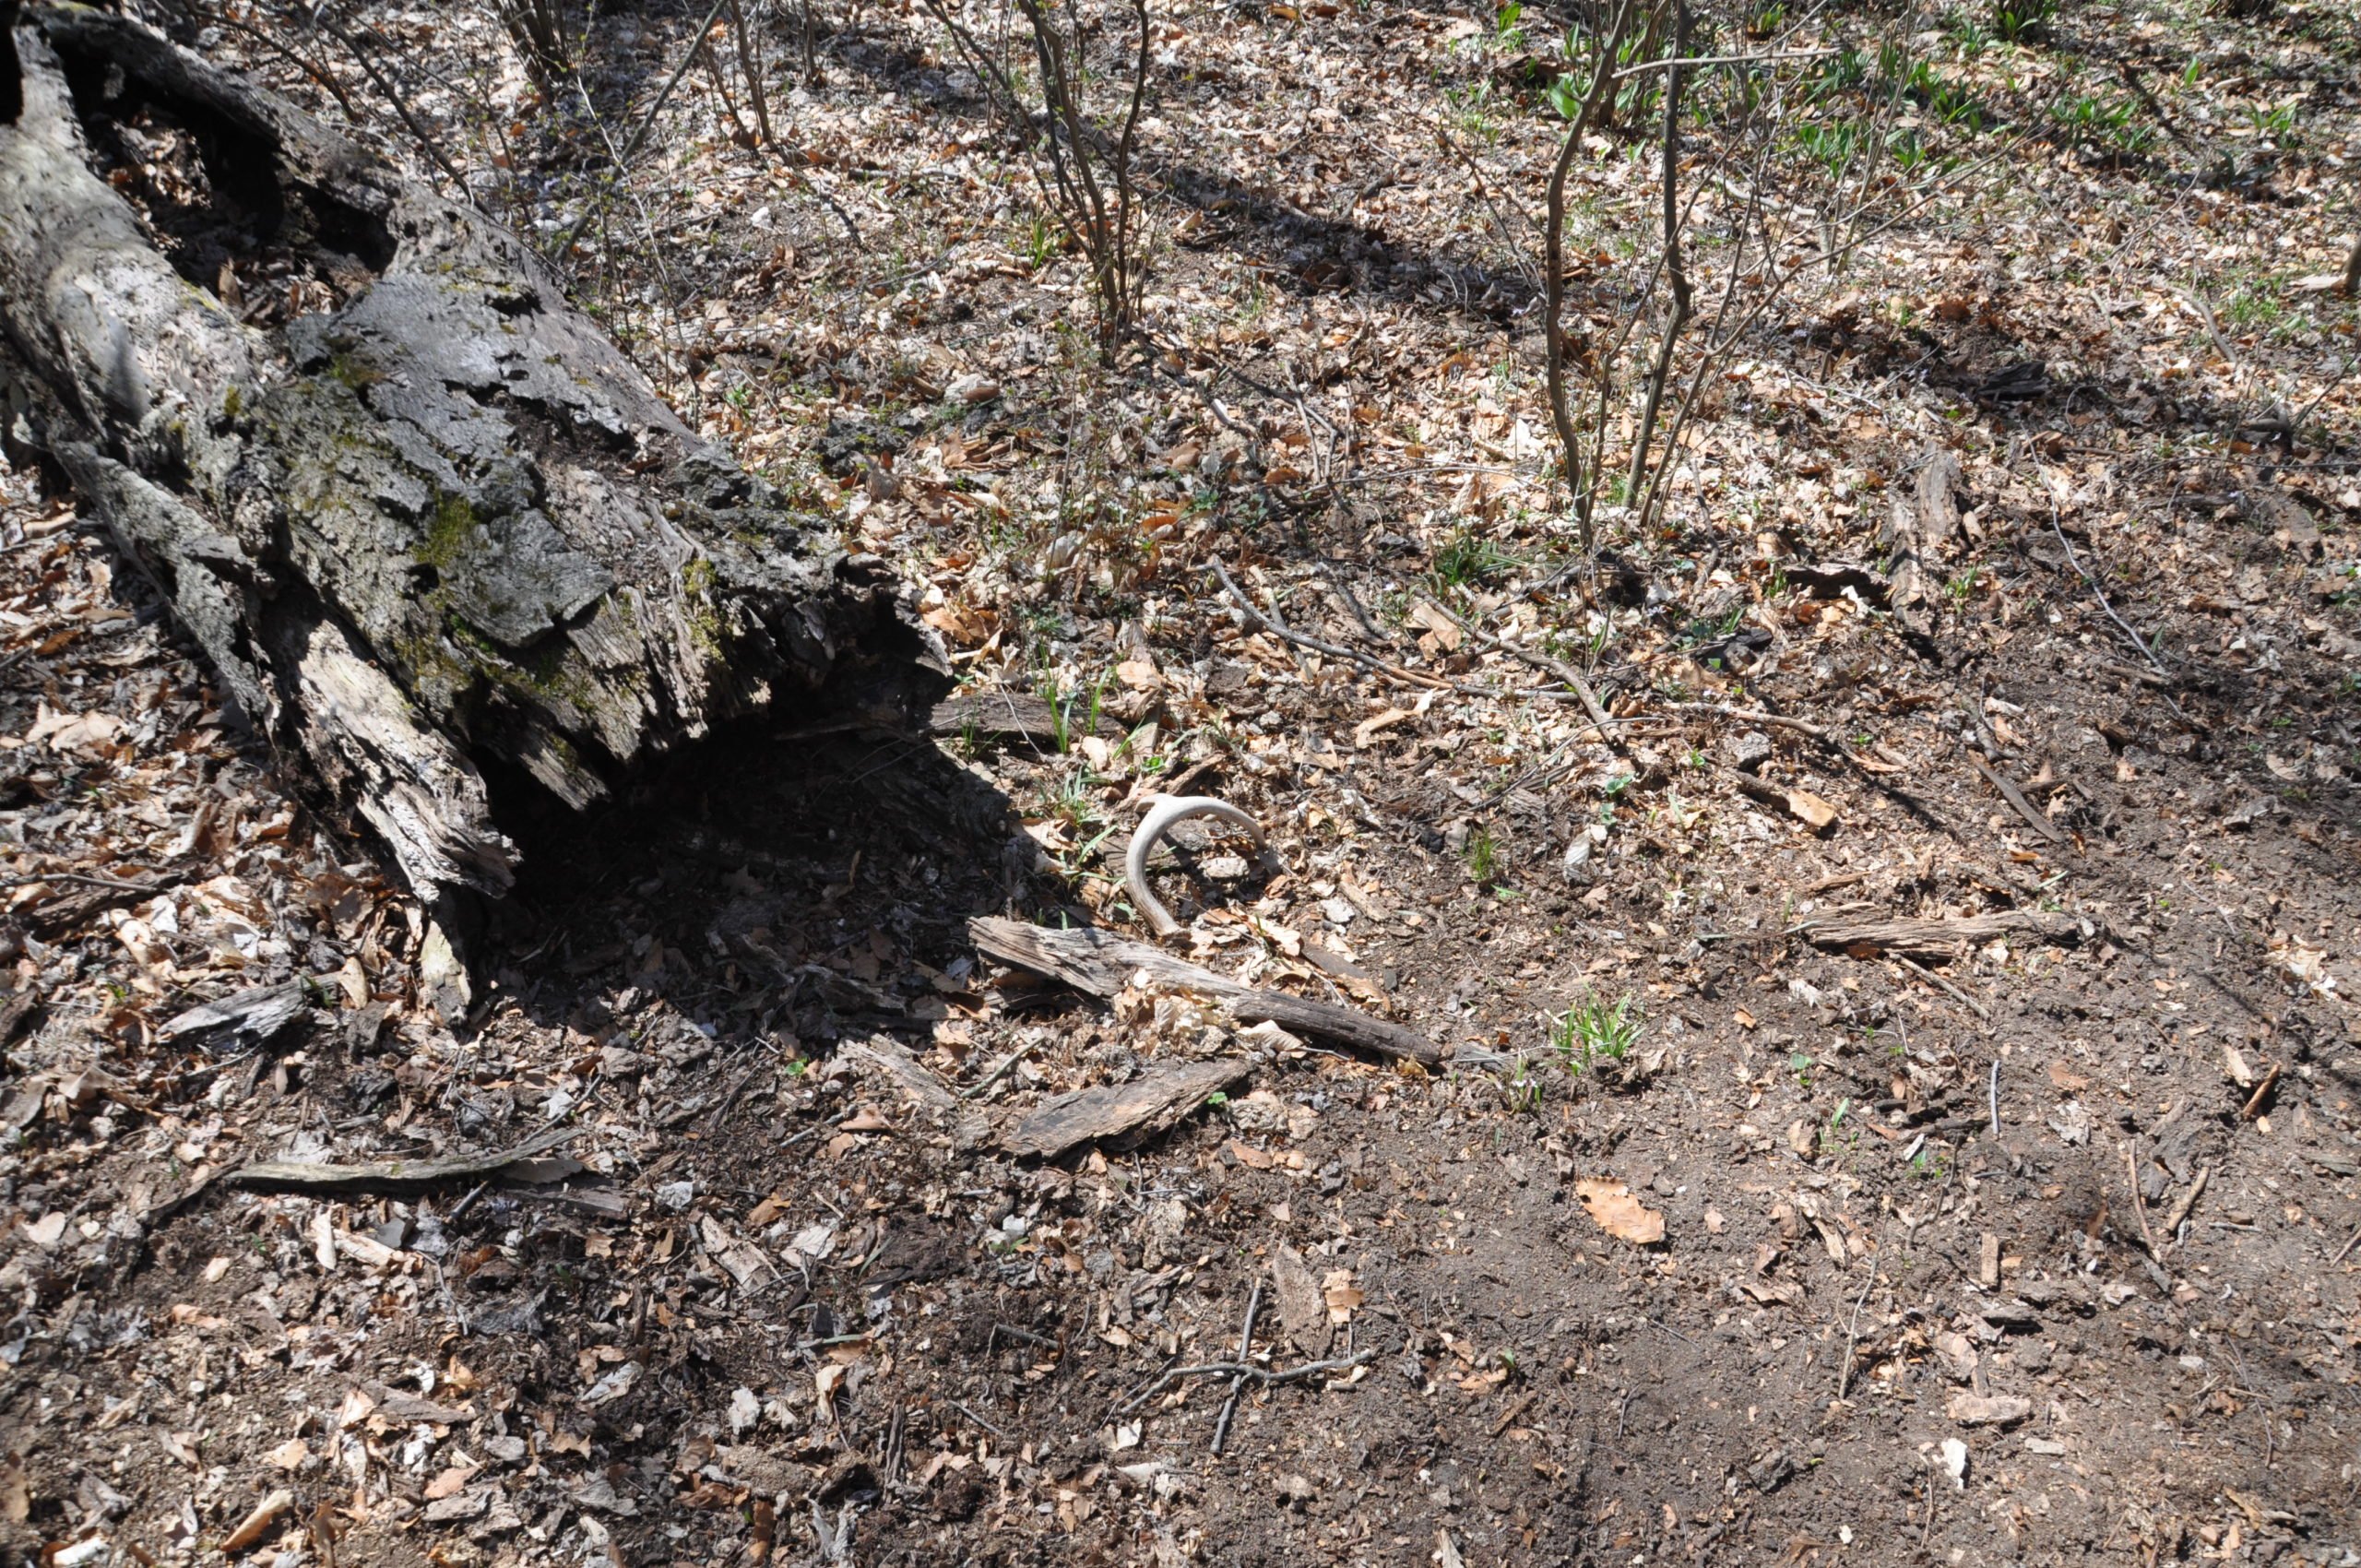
column 392, row 1175
column 1099, row 963
column 1148, row 1104
column 1943, row 938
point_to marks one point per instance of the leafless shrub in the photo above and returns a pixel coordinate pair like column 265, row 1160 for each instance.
column 1082, row 161
column 1779, row 160
column 538, row 29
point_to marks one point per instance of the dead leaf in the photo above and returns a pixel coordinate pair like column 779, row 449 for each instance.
column 1613, row 1208
column 450, row 1481
column 1446, row 631
column 251, row 1530
column 1341, row 1294
column 1812, row 811
column 2066, row 1079
column 1368, row 728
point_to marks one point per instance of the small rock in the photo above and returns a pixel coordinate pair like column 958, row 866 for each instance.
column 1955, row 1462
column 1988, row 1409
column 1750, row 750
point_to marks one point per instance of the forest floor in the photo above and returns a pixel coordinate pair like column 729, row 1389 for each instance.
column 1725, row 1232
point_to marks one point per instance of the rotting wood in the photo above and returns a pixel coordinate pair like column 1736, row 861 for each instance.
column 1147, row 1105
column 1943, row 938
column 438, row 521
column 397, row 1175
column 1924, row 519
column 1013, row 716
column 1101, row 964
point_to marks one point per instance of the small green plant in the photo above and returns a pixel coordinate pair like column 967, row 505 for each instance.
column 2274, row 125
column 1483, row 857
column 1471, row 110
column 2109, row 127
column 1039, row 241
column 1521, row 1088
column 1800, row 1063
column 1595, row 1029
column 2023, row 21
column 1506, row 35
column 1466, row 559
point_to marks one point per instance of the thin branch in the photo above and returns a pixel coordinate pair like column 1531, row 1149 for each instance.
column 631, row 148
column 1263, row 1375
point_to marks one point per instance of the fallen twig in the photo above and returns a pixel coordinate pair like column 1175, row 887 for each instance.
column 1852, row 1333
column 1940, row 983
column 2016, row 798
column 1368, row 661
column 1558, row 667
column 2179, row 1211
column 1245, row 1347
column 2261, row 1092
column 2072, row 559
column 10, row 885
column 1263, row 1375
column 2139, row 1204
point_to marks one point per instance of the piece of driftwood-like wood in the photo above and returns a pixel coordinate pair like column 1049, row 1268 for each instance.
column 1101, row 964
column 424, row 518
column 397, row 1175
column 1145, row 1106
column 1940, row 938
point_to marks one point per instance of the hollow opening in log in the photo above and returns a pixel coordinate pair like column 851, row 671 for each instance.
column 12, row 81
column 209, row 191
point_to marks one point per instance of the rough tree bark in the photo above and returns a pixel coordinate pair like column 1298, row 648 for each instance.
column 419, row 512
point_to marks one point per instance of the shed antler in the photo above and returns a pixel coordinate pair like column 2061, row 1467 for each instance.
column 1161, row 818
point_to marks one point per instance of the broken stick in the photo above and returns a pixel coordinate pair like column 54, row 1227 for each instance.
column 1099, row 963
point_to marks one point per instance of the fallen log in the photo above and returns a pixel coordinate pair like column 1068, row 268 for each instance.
column 422, row 515
column 1099, row 963
column 1933, row 939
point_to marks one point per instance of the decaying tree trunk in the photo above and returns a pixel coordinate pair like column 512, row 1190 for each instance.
column 419, row 512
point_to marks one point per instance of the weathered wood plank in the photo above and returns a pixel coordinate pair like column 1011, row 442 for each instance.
column 1146, row 1105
